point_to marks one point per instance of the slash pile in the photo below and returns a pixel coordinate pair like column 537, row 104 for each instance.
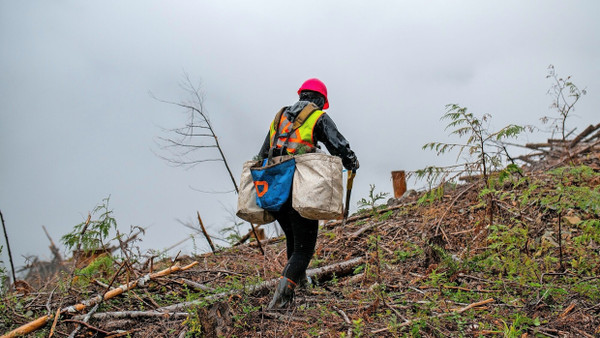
column 517, row 255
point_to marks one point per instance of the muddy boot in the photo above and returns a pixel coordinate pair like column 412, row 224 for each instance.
column 304, row 282
column 284, row 292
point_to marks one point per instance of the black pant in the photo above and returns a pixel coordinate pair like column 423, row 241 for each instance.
column 301, row 239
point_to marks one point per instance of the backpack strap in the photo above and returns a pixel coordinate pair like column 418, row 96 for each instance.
column 298, row 121
column 276, row 123
column 277, row 118
column 304, row 114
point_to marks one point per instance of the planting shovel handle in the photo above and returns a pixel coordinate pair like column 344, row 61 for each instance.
column 351, row 175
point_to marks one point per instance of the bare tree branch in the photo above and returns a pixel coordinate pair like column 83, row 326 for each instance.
column 186, row 143
column 186, row 140
column 12, row 266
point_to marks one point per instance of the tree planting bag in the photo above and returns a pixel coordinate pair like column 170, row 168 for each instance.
column 318, row 188
column 273, row 183
column 248, row 210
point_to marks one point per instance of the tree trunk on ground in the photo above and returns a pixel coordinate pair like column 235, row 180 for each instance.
column 323, row 273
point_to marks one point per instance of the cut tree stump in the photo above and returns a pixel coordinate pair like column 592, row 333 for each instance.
column 215, row 319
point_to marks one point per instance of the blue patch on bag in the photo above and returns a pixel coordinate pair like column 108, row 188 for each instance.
column 273, row 184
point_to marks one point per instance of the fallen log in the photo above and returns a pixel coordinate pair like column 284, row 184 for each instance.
column 42, row 321
column 194, row 285
column 340, row 269
column 537, row 145
column 593, row 137
column 590, row 129
column 587, row 148
column 135, row 315
column 528, row 157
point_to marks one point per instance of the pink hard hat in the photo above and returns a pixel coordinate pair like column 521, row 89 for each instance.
column 315, row 85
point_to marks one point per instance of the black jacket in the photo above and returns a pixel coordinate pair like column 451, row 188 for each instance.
column 325, row 131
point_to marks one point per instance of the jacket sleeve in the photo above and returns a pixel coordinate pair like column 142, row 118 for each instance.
column 326, row 132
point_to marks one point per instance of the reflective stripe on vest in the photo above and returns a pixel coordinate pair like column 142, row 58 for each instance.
column 302, row 135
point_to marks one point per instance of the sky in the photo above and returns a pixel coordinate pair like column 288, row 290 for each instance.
column 78, row 123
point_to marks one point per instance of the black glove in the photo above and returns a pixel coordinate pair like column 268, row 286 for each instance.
column 351, row 162
column 355, row 165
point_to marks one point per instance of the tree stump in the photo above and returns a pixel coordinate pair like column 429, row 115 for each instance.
column 215, row 319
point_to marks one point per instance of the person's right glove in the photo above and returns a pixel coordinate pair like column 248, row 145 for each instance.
column 350, row 162
column 355, row 165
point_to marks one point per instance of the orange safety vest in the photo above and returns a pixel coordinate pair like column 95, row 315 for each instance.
column 300, row 131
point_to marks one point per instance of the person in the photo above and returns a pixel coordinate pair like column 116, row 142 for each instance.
column 300, row 232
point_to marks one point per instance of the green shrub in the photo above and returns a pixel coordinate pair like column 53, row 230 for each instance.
column 93, row 234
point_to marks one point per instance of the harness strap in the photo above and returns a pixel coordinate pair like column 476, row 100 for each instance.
column 304, row 114
column 297, row 123
column 299, row 120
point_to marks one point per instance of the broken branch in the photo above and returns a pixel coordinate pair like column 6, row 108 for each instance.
column 135, row 315
column 42, row 321
column 590, row 129
column 212, row 246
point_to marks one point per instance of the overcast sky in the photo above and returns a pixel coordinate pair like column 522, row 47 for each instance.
column 77, row 123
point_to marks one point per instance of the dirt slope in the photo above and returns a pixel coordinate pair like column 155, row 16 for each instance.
column 519, row 257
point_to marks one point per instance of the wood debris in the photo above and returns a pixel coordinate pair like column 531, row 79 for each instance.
column 583, row 149
column 437, row 268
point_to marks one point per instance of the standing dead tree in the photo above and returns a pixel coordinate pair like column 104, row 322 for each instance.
column 198, row 134
column 12, row 266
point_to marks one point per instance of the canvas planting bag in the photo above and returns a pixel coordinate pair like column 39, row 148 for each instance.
column 318, row 187
column 248, row 210
column 273, row 183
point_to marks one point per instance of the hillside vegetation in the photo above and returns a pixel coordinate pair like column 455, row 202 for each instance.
column 516, row 255
column 500, row 246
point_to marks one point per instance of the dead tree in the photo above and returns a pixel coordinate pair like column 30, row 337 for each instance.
column 12, row 266
column 197, row 135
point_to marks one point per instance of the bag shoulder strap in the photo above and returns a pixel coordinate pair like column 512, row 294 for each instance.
column 277, row 119
column 304, row 114
column 276, row 123
column 298, row 121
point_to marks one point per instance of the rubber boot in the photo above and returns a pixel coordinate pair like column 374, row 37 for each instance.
column 284, row 293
